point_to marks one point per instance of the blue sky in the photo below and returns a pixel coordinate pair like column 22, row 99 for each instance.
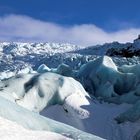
column 96, row 20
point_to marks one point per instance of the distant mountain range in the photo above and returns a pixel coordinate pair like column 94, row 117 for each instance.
column 16, row 56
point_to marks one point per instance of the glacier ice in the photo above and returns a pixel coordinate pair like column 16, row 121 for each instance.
column 103, row 74
column 103, row 77
column 34, row 121
column 43, row 68
column 25, row 70
column 64, row 69
column 130, row 69
column 6, row 74
column 37, row 91
column 132, row 114
column 17, row 56
column 9, row 130
column 104, row 80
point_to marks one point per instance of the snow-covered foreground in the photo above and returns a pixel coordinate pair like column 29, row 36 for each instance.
column 41, row 92
column 34, row 121
column 12, row 131
column 101, row 121
column 104, row 103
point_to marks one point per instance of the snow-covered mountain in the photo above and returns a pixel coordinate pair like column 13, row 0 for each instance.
column 16, row 56
column 114, row 49
column 88, row 94
column 19, row 55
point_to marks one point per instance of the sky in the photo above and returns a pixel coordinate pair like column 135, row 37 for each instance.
column 81, row 22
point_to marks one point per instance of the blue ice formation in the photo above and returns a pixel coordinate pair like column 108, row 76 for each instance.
column 43, row 68
column 103, row 79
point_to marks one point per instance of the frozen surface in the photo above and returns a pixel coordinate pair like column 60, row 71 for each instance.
column 10, row 131
column 34, row 121
column 16, row 56
column 37, row 91
column 65, row 100
column 29, row 74
column 101, row 78
column 100, row 122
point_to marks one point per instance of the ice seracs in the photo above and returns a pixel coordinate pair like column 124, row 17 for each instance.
column 103, row 79
column 103, row 74
column 37, row 91
column 43, row 68
column 35, row 79
column 131, row 69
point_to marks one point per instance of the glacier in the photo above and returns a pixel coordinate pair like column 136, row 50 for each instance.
column 94, row 94
column 113, row 85
column 37, row 91
column 34, row 121
column 103, row 74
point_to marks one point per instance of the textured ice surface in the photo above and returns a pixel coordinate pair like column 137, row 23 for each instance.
column 10, row 131
column 34, row 121
column 43, row 68
column 17, row 56
column 103, row 77
column 37, row 91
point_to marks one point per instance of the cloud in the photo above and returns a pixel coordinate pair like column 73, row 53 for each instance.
column 26, row 29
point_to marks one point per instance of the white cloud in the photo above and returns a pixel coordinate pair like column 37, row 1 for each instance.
column 27, row 29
